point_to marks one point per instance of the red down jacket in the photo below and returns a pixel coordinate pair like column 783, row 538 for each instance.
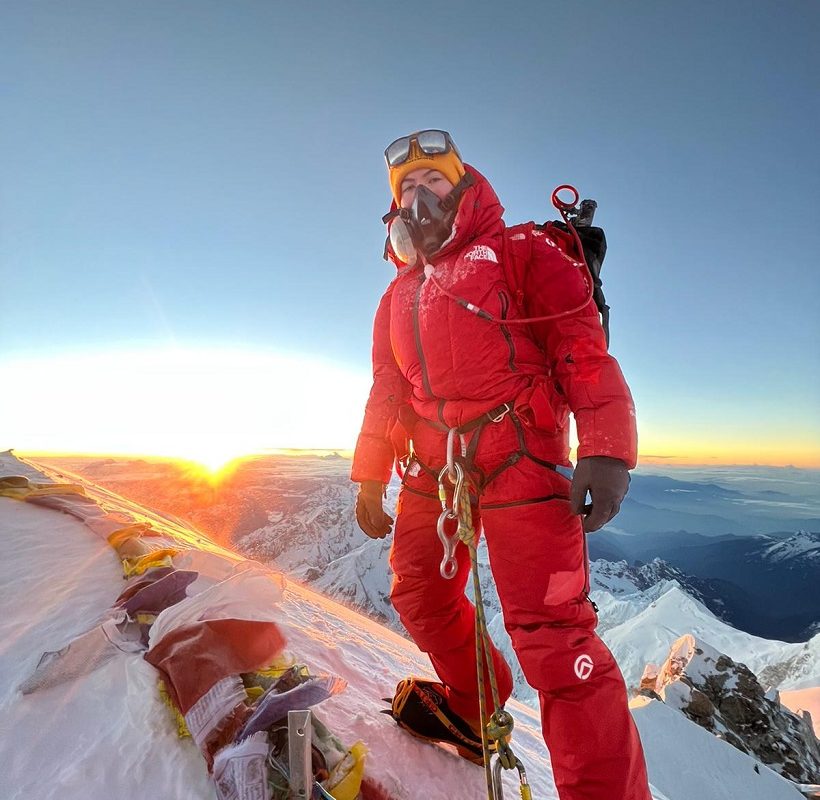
column 451, row 366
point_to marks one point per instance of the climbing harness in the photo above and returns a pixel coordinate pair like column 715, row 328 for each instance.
column 497, row 727
column 479, row 480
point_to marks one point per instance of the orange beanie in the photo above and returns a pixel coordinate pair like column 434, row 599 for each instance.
column 448, row 164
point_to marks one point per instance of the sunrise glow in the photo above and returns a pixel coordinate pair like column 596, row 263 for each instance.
column 206, row 405
column 214, row 405
column 762, row 447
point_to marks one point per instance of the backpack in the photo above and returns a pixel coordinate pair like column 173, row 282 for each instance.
column 519, row 262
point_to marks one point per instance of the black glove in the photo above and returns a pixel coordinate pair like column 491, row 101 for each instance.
column 370, row 512
column 607, row 480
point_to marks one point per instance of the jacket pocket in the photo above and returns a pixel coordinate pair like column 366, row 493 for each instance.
column 536, row 405
column 400, row 440
column 401, row 431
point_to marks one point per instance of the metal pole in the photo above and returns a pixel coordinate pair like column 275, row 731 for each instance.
column 299, row 754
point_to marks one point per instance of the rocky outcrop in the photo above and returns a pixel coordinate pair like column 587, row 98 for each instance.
column 727, row 699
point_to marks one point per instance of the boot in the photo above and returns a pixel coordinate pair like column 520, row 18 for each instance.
column 420, row 707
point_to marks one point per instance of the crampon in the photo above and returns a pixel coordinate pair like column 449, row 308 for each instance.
column 420, row 707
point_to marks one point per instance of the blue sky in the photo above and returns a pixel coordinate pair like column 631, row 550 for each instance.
column 202, row 174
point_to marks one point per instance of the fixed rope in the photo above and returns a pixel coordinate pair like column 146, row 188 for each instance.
column 496, row 728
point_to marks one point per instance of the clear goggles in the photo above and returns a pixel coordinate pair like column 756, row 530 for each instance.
column 430, row 142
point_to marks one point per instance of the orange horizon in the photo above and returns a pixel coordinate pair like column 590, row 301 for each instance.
column 795, row 460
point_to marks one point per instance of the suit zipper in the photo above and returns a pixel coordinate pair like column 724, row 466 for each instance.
column 586, row 573
column 506, row 331
column 425, row 378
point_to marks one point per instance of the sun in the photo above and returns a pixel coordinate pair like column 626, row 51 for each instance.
column 213, row 463
column 211, row 468
column 215, row 460
column 217, row 463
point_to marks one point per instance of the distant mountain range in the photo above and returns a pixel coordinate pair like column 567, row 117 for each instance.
column 658, row 503
column 749, row 554
column 766, row 585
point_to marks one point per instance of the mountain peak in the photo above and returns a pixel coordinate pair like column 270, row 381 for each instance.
column 726, row 698
column 803, row 545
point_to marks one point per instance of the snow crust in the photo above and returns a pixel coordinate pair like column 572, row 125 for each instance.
column 705, row 767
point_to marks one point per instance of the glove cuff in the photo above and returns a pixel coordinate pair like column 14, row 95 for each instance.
column 372, row 488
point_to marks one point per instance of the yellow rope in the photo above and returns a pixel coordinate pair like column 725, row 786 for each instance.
column 499, row 726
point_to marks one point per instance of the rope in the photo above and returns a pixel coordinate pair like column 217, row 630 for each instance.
column 496, row 728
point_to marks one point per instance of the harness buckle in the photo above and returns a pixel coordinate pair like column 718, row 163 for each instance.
column 505, row 409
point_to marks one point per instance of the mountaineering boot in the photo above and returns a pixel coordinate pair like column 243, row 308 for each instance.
column 420, row 707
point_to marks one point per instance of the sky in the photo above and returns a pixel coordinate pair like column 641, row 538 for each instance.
column 190, row 232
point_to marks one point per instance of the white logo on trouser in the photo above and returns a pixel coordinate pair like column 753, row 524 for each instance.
column 583, row 666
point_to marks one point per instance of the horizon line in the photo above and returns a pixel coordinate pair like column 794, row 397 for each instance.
column 672, row 461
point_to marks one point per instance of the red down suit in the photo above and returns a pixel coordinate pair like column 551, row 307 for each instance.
column 436, row 366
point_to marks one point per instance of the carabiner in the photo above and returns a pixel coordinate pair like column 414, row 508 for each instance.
column 451, row 472
column 498, row 788
column 449, row 565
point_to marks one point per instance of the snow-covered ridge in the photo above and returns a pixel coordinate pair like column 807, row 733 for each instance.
column 804, row 545
column 727, row 699
column 648, row 625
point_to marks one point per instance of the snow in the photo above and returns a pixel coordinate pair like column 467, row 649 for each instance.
column 107, row 734
column 803, row 545
column 648, row 623
column 686, row 761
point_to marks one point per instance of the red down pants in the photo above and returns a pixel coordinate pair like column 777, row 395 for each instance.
column 539, row 563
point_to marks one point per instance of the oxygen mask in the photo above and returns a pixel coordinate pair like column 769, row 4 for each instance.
column 424, row 227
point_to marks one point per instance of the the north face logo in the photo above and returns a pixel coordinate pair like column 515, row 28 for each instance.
column 481, row 253
column 583, row 666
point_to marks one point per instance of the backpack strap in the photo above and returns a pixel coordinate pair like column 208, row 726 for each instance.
column 518, row 258
column 517, row 253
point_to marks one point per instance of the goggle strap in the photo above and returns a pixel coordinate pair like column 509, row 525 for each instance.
column 450, row 202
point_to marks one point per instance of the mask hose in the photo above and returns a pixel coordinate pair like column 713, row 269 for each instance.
column 565, row 210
